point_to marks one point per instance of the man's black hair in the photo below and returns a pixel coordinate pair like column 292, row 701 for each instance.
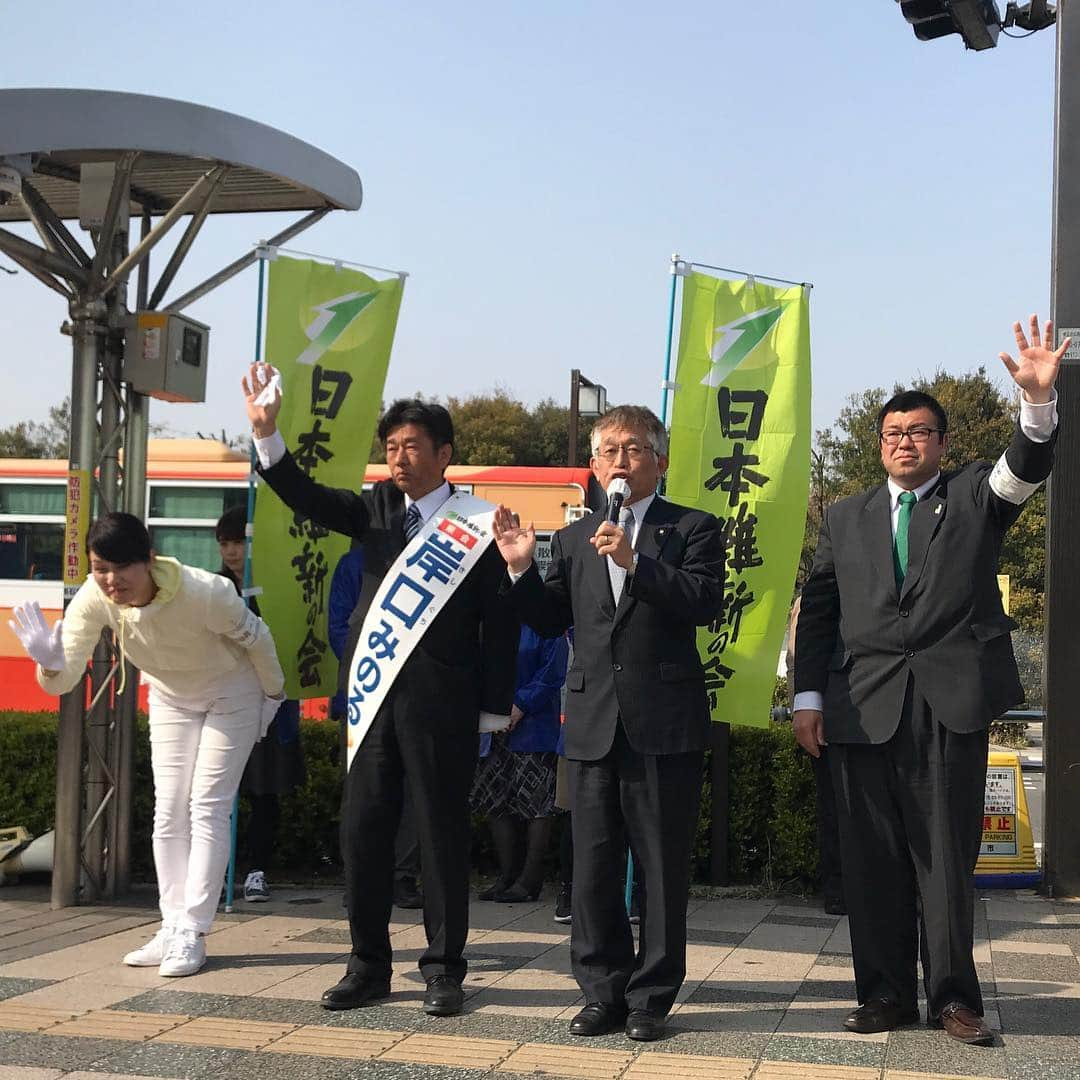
column 909, row 401
column 231, row 525
column 119, row 538
column 434, row 419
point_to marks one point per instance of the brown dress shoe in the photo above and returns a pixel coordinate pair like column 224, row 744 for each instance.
column 964, row 1024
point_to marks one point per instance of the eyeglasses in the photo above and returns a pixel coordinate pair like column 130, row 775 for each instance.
column 917, row 435
column 633, row 451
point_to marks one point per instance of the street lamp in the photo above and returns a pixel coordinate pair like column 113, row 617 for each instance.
column 587, row 399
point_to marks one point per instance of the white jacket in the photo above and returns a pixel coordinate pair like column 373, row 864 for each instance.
column 195, row 630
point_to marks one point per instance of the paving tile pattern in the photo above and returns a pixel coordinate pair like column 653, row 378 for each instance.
column 768, row 985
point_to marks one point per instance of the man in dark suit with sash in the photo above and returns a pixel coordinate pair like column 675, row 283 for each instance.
column 637, row 717
column 902, row 660
column 426, row 727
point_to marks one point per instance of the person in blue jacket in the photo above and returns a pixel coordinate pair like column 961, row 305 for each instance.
column 515, row 783
column 343, row 632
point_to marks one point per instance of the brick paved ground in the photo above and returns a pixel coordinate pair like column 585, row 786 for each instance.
column 768, row 984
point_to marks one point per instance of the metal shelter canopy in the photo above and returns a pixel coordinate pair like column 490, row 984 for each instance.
column 160, row 160
column 177, row 143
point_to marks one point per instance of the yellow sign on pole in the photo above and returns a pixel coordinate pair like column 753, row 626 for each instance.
column 1007, row 854
column 77, row 524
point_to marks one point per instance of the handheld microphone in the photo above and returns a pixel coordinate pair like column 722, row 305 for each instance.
column 617, row 493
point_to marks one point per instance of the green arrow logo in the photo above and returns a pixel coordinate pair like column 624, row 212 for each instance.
column 333, row 319
column 735, row 341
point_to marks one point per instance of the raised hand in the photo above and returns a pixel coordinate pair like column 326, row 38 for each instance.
column 1036, row 368
column 42, row 645
column 515, row 544
column 261, row 412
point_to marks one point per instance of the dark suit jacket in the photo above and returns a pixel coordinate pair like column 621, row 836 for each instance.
column 466, row 660
column 639, row 661
column 946, row 626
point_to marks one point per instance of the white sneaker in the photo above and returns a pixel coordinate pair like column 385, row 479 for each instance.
column 153, row 952
column 256, row 891
column 185, row 954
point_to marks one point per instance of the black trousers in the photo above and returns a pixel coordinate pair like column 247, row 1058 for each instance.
column 828, row 831
column 429, row 752
column 262, row 830
column 651, row 802
column 406, row 844
column 910, row 816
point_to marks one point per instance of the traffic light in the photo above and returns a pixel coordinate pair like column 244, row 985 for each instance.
column 978, row 22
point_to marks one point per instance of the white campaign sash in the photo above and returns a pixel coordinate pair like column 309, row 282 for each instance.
column 415, row 589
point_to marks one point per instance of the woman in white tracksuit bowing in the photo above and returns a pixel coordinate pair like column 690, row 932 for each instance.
column 215, row 684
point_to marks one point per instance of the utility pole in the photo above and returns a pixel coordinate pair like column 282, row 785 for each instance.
column 1061, row 740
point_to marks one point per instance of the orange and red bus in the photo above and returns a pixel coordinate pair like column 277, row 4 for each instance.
column 190, row 483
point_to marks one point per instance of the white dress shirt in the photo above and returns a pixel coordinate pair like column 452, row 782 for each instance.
column 430, row 502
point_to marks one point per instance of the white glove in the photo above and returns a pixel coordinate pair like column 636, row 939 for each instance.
column 270, row 707
column 42, row 645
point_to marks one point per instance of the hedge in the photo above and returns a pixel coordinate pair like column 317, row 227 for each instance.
column 771, row 837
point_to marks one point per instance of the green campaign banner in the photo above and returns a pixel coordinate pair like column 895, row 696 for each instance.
column 329, row 332
column 740, row 448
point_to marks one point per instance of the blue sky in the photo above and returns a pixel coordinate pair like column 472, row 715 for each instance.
column 534, row 166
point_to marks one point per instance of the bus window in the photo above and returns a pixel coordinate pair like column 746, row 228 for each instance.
column 182, row 518
column 31, row 551
column 31, row 531
column 29, row 500
column 194, row 545
column 202, row 503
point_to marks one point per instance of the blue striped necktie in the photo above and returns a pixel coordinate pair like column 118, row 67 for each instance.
column 413, row 521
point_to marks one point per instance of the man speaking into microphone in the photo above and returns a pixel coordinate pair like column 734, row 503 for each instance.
column 634, row 583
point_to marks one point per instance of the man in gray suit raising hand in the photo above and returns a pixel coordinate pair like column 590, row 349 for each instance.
column 902, row 659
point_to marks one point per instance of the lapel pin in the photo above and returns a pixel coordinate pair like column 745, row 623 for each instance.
column 937, row 509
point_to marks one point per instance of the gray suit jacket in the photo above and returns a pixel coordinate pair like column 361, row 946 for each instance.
column 946, row 627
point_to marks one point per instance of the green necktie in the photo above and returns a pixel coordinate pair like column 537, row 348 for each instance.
column 900, row 552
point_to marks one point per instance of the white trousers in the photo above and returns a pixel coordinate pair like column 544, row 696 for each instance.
column 198, row 750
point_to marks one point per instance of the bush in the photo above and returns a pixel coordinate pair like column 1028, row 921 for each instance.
column 771, row 838
column 772, row 831
column 27, row 770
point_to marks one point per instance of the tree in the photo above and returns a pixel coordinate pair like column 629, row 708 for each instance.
column 51, row 438
column 497, row 429
column 492, row 429
column 33, row 439
column 240, row 442
column 553, row 434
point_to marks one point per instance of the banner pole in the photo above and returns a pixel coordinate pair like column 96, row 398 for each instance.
column 665, row 385
column 230, row 877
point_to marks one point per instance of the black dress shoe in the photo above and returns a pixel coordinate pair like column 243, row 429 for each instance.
column 407, row 895
column 517, row 894
column 880, row 1014
column 833, row 904
column 354, row 991
column 644, row 1026
column 444, row 996
column 499, row 885
column 598, row 1018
